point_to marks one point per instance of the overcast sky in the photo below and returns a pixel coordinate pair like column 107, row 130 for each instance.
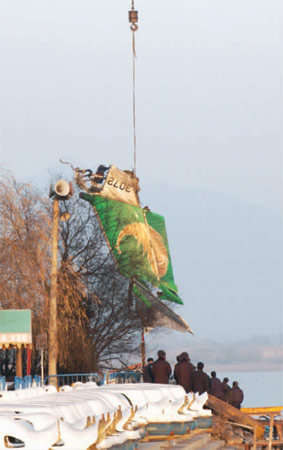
column 209, row 133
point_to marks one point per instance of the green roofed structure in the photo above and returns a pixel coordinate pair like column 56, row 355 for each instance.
column 15, row 328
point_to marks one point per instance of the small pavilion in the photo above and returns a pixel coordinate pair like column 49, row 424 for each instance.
column 16, row 331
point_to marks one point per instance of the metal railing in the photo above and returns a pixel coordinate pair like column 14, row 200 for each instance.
column 108, row 378
column 69, row 379
column 122, row 377
column 2, row 383
column 26, row 382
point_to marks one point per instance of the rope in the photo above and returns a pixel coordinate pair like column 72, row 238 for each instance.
column 133, row 19
column 134, row 103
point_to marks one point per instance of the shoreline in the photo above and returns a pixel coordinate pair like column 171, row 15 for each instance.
column 248, row 368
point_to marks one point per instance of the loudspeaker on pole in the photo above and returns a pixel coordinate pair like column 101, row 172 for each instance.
column 63, row 189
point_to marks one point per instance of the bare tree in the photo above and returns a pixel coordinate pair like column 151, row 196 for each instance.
column 97, row 326
column 24, row 249
column 114, row 325
column 24, row 256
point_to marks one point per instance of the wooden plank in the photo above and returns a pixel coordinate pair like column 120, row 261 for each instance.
column 263, row 410
column 234, row 414
column 270, row 433
column 174, row 436
column 261, row 443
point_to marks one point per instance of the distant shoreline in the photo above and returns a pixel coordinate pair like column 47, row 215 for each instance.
column 257, row 367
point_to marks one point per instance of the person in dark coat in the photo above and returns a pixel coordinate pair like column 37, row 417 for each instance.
column 225, row 388
column 215, row 386
column 161, row 369
column 201, row 380
column 183, row 372
column 236, row 395
column 147, row 374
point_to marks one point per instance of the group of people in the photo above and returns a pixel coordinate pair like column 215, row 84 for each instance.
column 193, row 379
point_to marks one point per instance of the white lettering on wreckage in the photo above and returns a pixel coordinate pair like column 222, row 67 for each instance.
column 121, row 186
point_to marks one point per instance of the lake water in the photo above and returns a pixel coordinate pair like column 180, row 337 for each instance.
column 260, row 388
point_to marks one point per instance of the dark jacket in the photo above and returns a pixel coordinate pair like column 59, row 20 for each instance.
column 215, row 387
column 147, row 374
column 236, row 396
column 225, row 389
column 201, row 381
column 161, row 371
column 183, row 374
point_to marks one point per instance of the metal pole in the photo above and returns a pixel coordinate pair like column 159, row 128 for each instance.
column 28, row 359
column 19, row 362
column 42, row 368
column 52, row 345
column 143, row 349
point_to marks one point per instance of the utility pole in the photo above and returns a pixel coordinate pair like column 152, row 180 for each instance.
column 62, row 191
column 53, row 342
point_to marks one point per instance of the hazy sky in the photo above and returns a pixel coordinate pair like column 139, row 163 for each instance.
column 209, row 133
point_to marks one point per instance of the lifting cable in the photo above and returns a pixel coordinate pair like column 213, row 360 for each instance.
column 133, row 18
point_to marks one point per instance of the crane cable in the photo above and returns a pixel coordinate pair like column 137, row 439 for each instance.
column 133, row 18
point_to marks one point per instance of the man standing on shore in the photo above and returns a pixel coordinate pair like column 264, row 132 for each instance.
column 147, row 375
column 215, row 386
column 161, row 369
column 236, row 396
column 183, row 372
column 225, row 388
column 201, row 381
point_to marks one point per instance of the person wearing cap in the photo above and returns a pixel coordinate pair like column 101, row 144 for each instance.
column 225, row 388
column 201, row 381
column 236, row 395
column 183, row 372
column 147, row 375
column 161, row 369
column 215, row 385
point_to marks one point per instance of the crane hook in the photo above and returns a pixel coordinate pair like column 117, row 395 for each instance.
column 133, row 18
